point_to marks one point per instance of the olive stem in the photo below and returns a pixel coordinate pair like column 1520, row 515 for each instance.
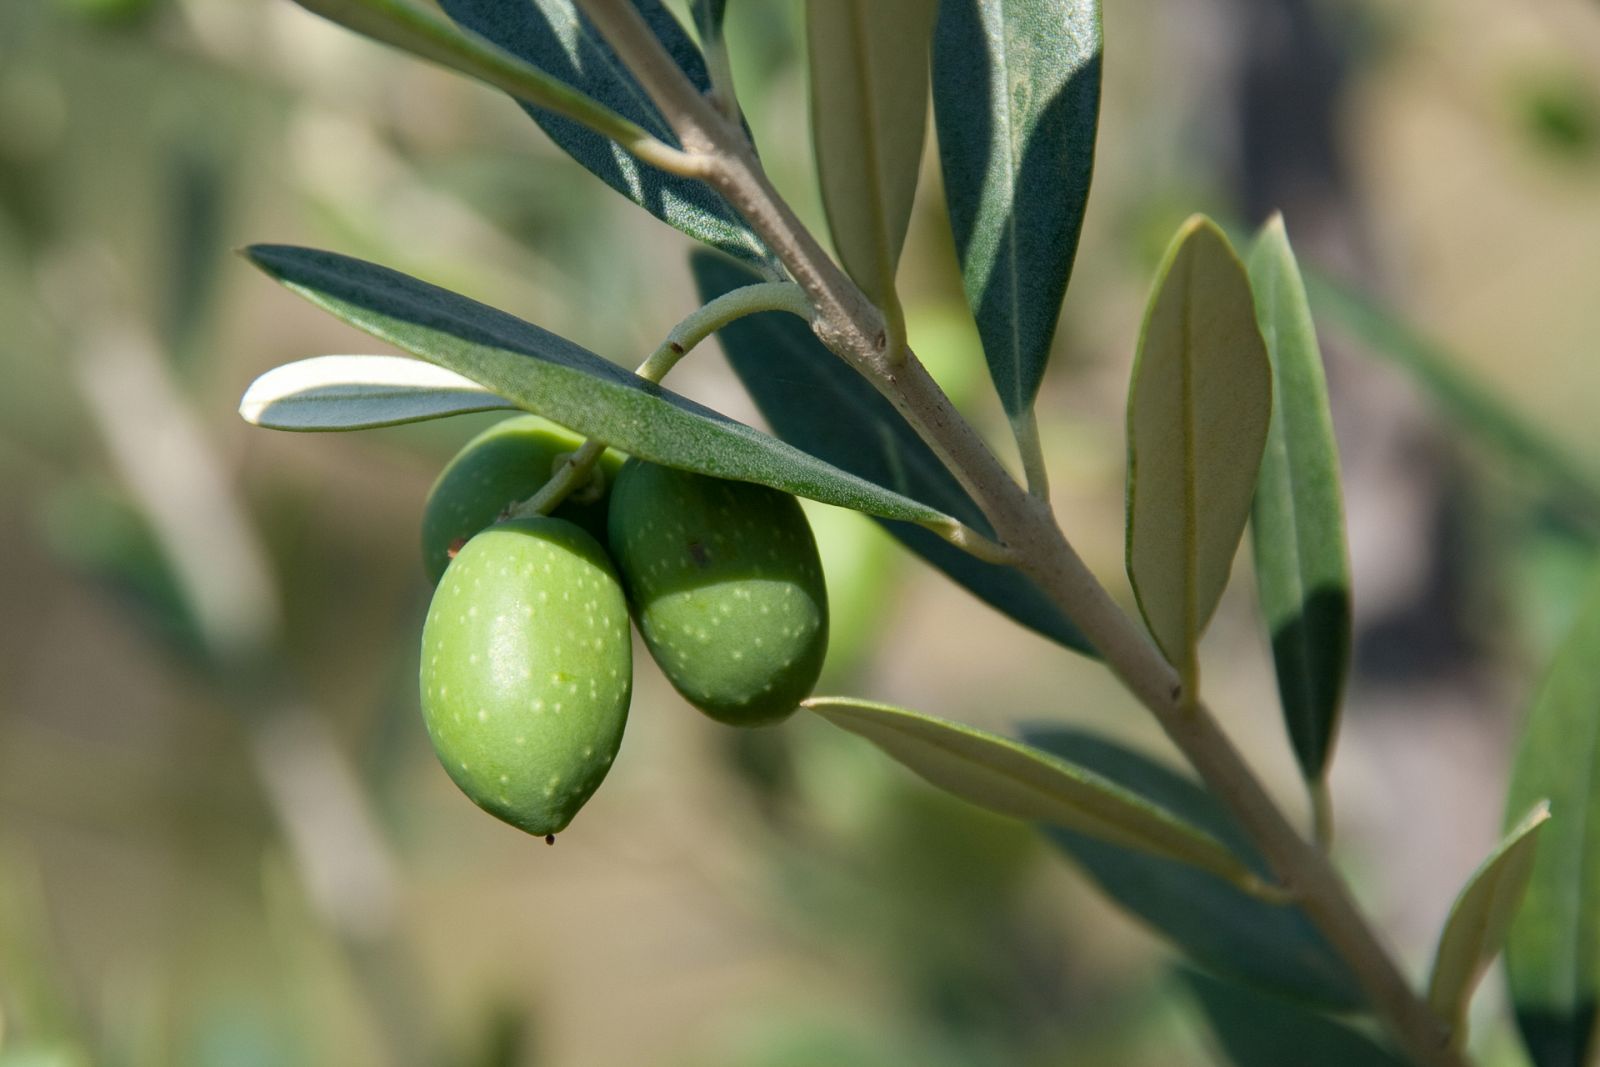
column 576, row 468
column 854, row 329
column 1025, row 427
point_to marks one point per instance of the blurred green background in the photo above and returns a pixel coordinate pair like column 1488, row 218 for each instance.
column 223, row 837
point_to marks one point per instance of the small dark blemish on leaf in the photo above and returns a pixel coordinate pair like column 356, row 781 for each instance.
column 549, row 839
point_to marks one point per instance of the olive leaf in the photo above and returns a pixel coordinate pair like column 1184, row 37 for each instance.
column 1297, row 519
column 816, row 402
column 1256, row 1029
column 1013, row 779
column 708, row 17
column 1476, row 929
column 1553, row 949
column 1229, row 932
column 550, row 376
column 360, row 392
column 1016, row 94
column 869, row 108
column 554, row 36
column 1198, row 410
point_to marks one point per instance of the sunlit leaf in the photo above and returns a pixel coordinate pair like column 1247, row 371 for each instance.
column 1198, row 411
column 1476, row 929
column 1229, row 932
column 1013, row 779
column 359, row 392
column 553, row 36
column 1553, row 951
column 1297, row 519
column 551, row 376
column 813, row 400
column 1256, row 1029
column 869, row 108
column 1016, row 93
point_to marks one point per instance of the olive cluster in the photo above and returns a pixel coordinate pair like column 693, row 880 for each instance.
column 527, row 664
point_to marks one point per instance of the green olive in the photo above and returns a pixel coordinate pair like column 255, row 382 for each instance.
column 502, row 466
column 527, row 669
column 726, row 586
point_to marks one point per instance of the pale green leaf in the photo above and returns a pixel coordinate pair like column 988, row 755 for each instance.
column 1011, row 778
column 1476, row 929
column 1297, row 520
column 551, row 376
column 1016, row 93
column 360, row 392
column 1198, row 411
column 1553, row 950
column 869, row 108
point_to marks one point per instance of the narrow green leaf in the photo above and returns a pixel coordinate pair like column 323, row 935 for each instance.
column 815, row 401
column 1297, row 519
column 1470, row 403
column 1227, row 931
column 1013, row 779
column 869, row 108
column 553, row 377
column 1256, row 1029
column 708, row 17
column 1476, row 929
column 1553, row 951
column 360, row 392
column 1016, row 95
column 555, row 37
column 1198, row 410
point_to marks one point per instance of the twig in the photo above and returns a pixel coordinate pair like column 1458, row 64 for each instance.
column 853, row 329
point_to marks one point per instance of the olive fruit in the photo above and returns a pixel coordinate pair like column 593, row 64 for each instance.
column 503, row 465
column 527, row 668
column 726, row 586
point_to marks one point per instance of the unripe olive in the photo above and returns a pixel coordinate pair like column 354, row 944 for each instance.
column 527, row 668
column 726, row 586
column 504, row 465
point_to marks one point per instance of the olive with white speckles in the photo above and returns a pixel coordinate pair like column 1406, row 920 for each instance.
column 726, row 586
column 502, row 466
column 527, row 669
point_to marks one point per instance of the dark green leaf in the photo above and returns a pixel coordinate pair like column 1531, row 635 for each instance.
column 1225, row 930
column 553, row 36
column 1259, row 1030
column 1016, row 94
column 1553, row 952
column 869, row 110
column 813, row 400
column 708, row 16
column 1476, row 929
column 1198, row 410
column 1012, row 779
column 1297, row 519
column 553, row 377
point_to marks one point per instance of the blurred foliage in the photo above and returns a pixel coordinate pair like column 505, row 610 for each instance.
column 257, row 861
